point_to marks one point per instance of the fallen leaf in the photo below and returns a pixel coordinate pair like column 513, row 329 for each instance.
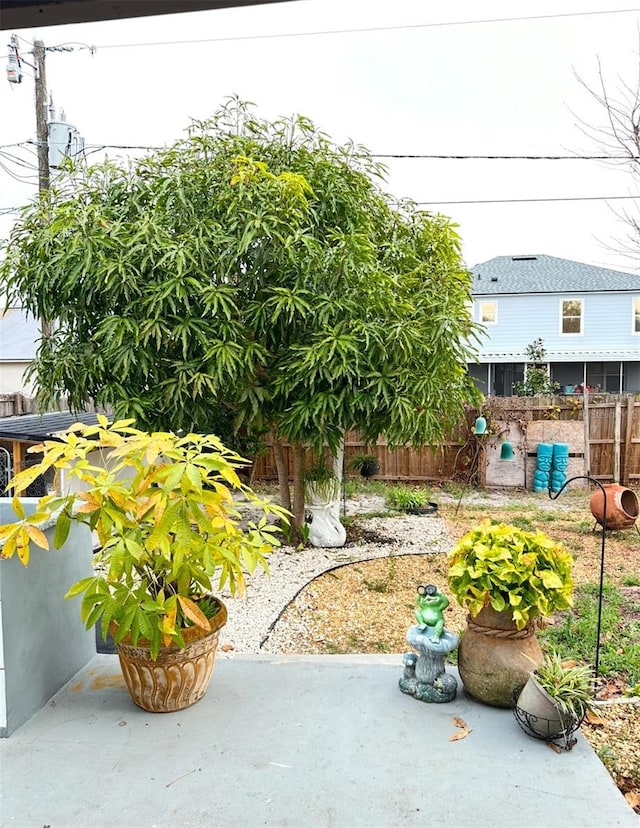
column 626, row 784
column 459, row 734
column 227, row 647
column 593, row 718
column 555, row 748
column 458, row 722
column 611, row 688
column 633, row 798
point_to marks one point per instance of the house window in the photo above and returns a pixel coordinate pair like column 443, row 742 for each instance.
column 571, row 316
column 489, row 313
column 636, row 315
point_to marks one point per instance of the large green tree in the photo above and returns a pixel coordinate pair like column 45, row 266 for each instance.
column 254, row 267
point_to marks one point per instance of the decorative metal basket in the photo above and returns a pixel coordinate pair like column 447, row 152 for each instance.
column 545, row 729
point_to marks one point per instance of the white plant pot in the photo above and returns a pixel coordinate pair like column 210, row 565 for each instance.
column 544, row 716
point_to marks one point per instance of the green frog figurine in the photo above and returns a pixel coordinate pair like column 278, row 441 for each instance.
column 431, row 604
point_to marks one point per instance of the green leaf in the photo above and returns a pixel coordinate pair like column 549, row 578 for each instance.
column 550, row 579
column 61, row 533
column 82, row 586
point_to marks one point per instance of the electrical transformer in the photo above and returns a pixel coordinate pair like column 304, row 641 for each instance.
column 64, row 142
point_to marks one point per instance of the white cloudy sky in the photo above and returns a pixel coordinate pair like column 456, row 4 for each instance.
column 464, row 88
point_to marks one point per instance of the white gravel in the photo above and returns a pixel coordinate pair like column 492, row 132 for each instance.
column 252, row 616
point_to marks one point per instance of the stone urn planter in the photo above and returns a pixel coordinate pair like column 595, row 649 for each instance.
column 507, row 578
column 495, row 657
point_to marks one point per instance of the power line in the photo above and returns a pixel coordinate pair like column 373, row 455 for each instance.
column 411, row 156
column 368, row 29
column 511, row 157
column 529, row 200
column 399, row 155
column 21, row 162
column 22, row 179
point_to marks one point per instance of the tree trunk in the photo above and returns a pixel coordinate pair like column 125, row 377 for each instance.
column 298, row 485
column 283, row 474
column 338, row 461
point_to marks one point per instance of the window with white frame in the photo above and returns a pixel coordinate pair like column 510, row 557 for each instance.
column 635, row 321
column 571, row 312
column 488, row 313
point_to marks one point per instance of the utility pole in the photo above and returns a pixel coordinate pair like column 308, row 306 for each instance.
column 14, row 75
column 42, row 135
column 42, row 130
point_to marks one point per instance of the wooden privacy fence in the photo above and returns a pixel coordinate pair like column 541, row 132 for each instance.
column 12, row 405
column 609, row 447
column 608, row 425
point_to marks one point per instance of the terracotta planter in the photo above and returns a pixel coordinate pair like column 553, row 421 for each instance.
column 622, row 506
column 495, row 658
column 543, row 715
column 178, row 678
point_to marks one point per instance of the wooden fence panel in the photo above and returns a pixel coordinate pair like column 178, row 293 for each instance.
column 12, row 405
column 613, row 425
column 631, row 454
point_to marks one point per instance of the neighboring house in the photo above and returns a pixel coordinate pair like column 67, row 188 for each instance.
column 17, row 434
column 587, row 317
column 19, row 336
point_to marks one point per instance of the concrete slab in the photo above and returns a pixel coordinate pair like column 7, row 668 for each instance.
column 292, row 741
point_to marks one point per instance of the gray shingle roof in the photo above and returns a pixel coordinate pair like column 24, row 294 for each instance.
column 37, row 427
column 547, row 274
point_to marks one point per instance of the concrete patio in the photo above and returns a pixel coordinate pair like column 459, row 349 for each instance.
column 303, row 741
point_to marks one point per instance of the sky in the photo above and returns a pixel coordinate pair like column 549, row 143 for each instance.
column 417, row 78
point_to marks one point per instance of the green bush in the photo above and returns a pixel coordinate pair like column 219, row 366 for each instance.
column 527, row 573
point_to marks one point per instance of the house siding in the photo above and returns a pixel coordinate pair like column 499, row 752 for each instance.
column 529, row 292
column 524, row 318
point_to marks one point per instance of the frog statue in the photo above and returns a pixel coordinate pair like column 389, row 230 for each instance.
column 431, row 604
column 424, row 674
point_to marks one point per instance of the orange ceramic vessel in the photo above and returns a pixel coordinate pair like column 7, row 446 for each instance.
column 622, row 506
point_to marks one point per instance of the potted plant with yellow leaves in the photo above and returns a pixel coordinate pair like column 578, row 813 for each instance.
column 508, row 578
column 162, row 507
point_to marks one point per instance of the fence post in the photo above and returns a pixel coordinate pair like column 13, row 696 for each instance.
column 626, row 472
column 617, row 417
column 585, row 419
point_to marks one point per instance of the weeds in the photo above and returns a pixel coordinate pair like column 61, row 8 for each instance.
column 575, row 636
column 523, row 523
column 383, row 585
